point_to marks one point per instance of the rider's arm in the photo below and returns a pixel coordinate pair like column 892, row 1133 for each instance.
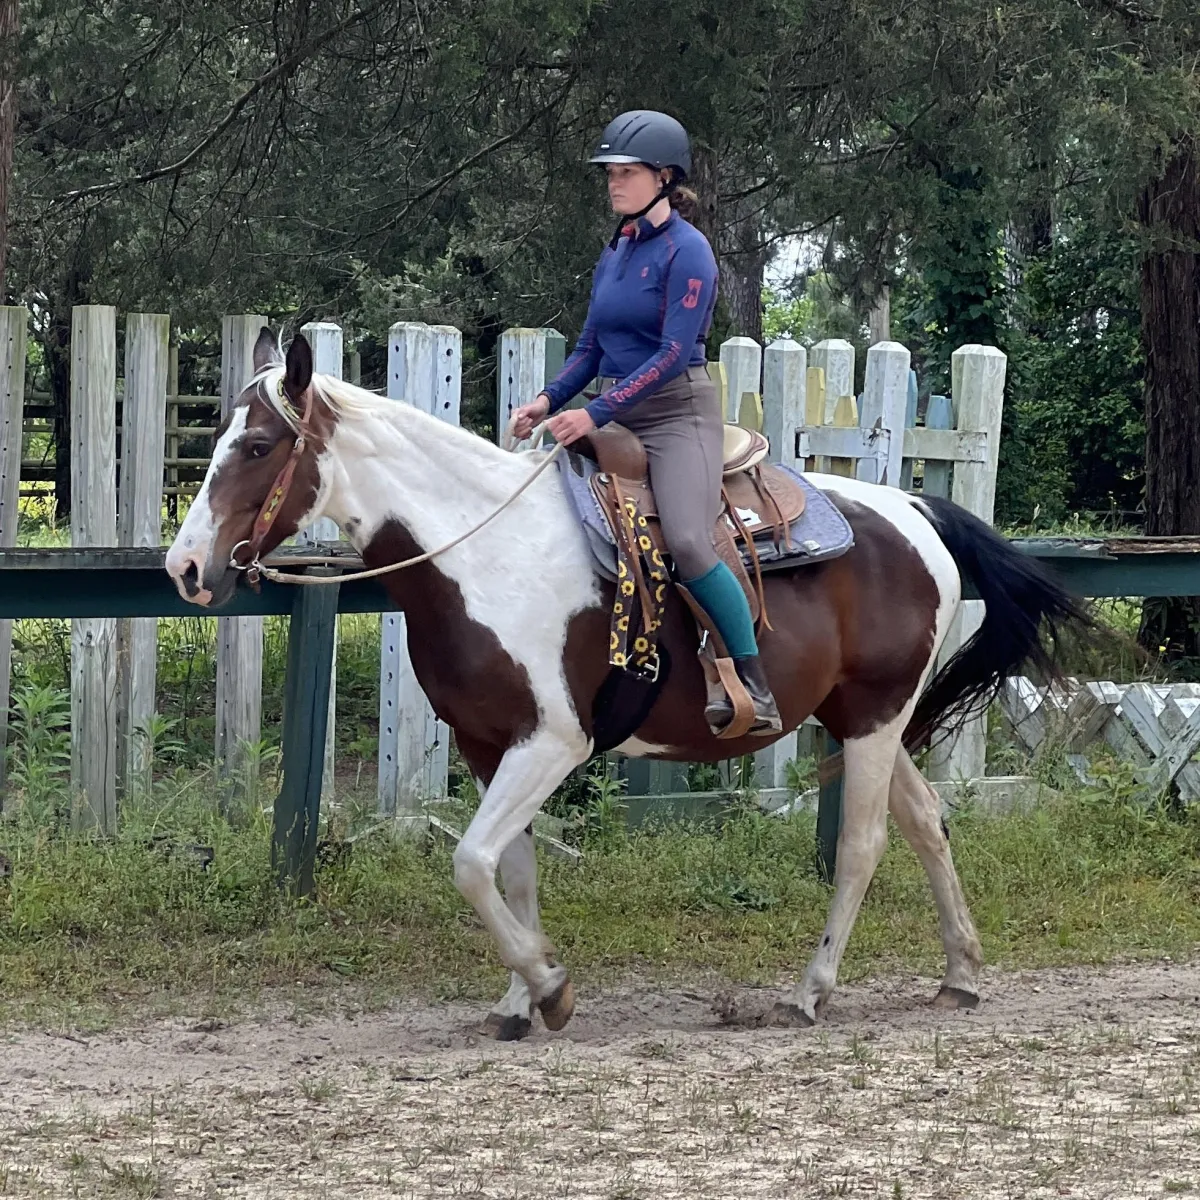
column 690, row 288
column 580, row 369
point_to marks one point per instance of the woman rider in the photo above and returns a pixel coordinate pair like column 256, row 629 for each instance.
column 653, row 293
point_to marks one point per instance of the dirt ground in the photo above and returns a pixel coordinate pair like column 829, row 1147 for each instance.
column 1063, row 1083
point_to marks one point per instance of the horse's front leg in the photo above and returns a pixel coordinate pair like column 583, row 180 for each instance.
column 526, row 776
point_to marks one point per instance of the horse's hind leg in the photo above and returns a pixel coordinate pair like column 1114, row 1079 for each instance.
column 917, row 812
column 869, row 762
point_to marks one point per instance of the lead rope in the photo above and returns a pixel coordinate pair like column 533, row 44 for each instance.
column 276, row 576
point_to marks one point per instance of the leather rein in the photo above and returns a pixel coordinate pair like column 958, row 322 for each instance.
column 255, row 569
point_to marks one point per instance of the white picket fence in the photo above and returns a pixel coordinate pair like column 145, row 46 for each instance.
column 802, row 400
column 1154, row 726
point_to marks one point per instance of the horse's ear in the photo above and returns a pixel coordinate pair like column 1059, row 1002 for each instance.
column 299, row 365
column 266, row 350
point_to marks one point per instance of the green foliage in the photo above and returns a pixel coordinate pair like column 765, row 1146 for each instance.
column 1087, row 878
column 1076, row 436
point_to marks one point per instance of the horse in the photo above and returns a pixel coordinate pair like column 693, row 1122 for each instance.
column 507, row 625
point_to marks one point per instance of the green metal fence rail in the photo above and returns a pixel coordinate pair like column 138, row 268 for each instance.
column 47, row 583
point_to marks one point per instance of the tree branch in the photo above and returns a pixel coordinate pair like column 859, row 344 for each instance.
column 281, row 70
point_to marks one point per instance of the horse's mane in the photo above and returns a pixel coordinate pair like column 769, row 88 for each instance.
column 350, row 402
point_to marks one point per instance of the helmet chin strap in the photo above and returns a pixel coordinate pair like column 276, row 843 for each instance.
column 667, row 189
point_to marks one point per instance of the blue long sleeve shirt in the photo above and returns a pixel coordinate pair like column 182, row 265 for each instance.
column 650, row 311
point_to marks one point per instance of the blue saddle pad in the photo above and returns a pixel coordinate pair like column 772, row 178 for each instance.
column 821, row 532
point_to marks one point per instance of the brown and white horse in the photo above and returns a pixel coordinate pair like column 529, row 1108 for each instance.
column 508, row 636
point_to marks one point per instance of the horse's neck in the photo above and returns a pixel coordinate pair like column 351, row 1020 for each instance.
column 401, row 466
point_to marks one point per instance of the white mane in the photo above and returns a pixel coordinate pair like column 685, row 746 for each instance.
column 349, row 402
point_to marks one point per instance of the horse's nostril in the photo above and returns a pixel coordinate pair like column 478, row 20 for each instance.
column 191, row 579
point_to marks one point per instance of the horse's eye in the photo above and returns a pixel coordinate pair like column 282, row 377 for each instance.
column 259, row 449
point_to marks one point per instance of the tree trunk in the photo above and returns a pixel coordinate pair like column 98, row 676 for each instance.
column 879, row 322
column 9, row 29
column 742, row 284
column 703, row 182
column 1169, row 209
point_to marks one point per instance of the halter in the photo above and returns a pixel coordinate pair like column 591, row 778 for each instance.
column 278, row 493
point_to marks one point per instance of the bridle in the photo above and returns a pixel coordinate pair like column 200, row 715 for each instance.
column 256, row 570
column 278, row 493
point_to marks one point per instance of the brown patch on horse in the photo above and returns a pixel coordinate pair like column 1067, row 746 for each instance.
column 256, row 457
column 472, row 681
column 851, row 637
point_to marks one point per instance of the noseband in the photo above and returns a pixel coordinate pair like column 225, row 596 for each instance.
column 277, row 495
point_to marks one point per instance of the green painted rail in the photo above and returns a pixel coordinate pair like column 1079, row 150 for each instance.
column 44, row 583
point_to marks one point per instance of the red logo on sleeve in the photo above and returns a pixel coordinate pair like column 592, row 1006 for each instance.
column 693, row 293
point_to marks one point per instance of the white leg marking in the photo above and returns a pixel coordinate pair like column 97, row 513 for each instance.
column 917, row 811
column 527, row 774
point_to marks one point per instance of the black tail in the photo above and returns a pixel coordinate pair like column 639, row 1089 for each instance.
column 1019, row 596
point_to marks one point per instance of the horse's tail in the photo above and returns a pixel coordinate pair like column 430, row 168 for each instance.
column 1019, row 596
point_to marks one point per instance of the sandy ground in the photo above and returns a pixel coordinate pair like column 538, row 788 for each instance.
column 1063, row 1083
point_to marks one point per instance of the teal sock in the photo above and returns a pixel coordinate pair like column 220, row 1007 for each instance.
column 720, row 595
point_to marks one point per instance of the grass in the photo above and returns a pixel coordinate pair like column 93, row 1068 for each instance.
column 87, row 926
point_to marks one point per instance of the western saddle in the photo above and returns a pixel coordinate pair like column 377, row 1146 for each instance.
column 758, row 500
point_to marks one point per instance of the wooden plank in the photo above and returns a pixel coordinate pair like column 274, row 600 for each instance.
column 829, row 810
column 173, row 433
column 835, row 357
column 425, row 369
column 885, row 397
column 844, row 442
column 526, row 360
column 977, row 374
column 14, row 323
column 814, row 415
column 239, row 639
column 325, row 338
column 742, row 359
column 939, row 416
column 144, row 415
column 845, row 416
column 785, row 376
column 945, row 446
column 910, row 423
column 93, row 523
column 306, row 709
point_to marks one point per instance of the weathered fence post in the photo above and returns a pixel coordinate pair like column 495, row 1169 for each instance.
column 742, row 360
column 525, row 361
column 173, row 436
column 143, row 433
column 424, row 369
column 311, row 634
column 977, row 379
column 14, row 323
column 784, row 401
column 239, row 639
column 784, row 396
column 325, row 338
column 885, row 398
column 836, row 358
column 93, row 523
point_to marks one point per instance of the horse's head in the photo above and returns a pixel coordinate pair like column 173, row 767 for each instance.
column 264, row 479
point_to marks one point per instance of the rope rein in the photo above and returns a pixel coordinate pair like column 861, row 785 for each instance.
column 277, row 576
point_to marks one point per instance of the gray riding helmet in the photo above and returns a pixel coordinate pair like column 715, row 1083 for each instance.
column 644, row 136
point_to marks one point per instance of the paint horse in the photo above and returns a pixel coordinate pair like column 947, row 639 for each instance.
column 508, row 632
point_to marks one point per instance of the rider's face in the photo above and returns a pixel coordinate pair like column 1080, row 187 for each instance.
column 631, row 186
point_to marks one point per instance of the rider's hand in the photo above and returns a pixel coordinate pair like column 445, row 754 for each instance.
column 529, row 415
column 570, row 426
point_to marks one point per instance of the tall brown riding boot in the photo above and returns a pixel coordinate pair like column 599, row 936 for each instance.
column 766, row 712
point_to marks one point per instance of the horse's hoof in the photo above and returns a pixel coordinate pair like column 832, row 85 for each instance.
column 787, row 1016
column 557, row 1008
column 955, row 998
column 511, row 1028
